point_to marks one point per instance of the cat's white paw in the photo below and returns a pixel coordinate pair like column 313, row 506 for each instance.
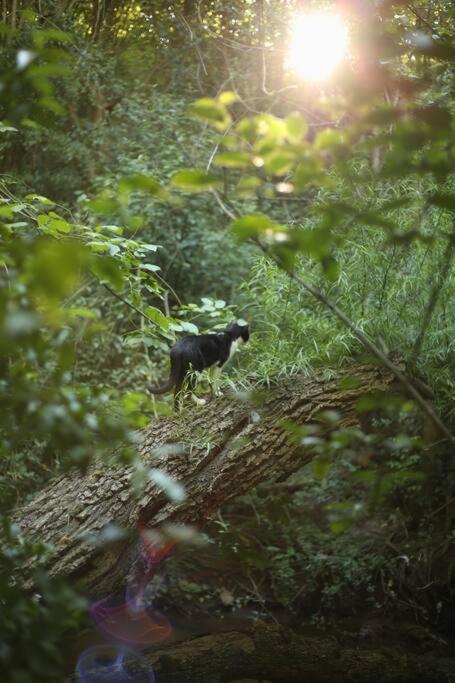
column 198, row 401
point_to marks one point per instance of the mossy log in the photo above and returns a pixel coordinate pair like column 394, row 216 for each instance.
column 218, row 452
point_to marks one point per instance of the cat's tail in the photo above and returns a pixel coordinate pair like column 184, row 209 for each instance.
column 174, row 377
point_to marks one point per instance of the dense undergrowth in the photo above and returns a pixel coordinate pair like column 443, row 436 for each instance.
column 368, row 527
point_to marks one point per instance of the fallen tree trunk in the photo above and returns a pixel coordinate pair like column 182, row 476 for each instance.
column 274, row 653
column 269, row 653
column 217, row 453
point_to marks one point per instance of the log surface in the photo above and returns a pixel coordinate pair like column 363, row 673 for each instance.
column 270, row 653
column 218, row 452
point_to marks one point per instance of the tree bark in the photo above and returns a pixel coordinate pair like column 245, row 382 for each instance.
column 217, row 453
column 277, row 654
column 272, row 653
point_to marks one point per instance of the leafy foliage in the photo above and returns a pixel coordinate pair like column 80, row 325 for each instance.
column 125, row 198
column 33, row 624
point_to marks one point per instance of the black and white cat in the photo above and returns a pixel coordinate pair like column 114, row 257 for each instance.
column 201, row 351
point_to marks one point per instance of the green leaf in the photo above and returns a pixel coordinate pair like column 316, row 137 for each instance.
column 40, row 199
column 139, row 182
column 233, row 160
column 5, row 128
column 56, row 268
column 285, row 255
column 320, row 468
column 104, row 205
column 252, row 225
column 315, row 243
column 82, row 312
column 279, row 162
column 247, row 186
column 40, row 38
column 157, row 317
column 134, row 222
column 52, row 224
column 328, row 138
column 6, row 211
column 308, row 172
column 212, row 111
column 208, row 108
column 116, row 229
column 228, row 97
column 150, row 267
column 189, row 327
column 296, row 128
column 99, row 247
column 18, row 224
column 193, row 180
column 107, row 269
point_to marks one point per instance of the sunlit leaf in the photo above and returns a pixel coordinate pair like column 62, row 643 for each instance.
column 233, row 160
column 39, row 199
column 193, row 180
column 296, row 127
column 328, row 138
column 228, row 97
column 253, row 225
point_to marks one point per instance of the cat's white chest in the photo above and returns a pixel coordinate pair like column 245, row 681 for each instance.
column 234, row 346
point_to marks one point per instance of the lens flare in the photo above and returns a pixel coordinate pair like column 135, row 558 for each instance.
column 132, row 623
column 318, row 45
column 111, row 664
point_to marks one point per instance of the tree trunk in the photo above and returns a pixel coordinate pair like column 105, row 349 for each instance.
column 217, row 453
column 275, row 654
column 272, row 653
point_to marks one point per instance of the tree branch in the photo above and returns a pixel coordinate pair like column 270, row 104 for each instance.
column 128, row 303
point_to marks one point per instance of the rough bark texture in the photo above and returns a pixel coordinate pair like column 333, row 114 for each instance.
column 273, row 654
column 224, row 450
column 279, row 655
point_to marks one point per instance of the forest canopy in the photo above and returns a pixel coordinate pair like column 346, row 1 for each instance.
column 167, row 169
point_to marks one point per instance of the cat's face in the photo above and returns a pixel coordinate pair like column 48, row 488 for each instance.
column 240, row 332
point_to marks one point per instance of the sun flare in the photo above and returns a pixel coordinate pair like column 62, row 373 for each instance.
column 318, row 44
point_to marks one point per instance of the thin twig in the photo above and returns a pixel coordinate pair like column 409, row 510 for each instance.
column 128, row 303
column 166, row 303
column 423, row 20
column 171, row 289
